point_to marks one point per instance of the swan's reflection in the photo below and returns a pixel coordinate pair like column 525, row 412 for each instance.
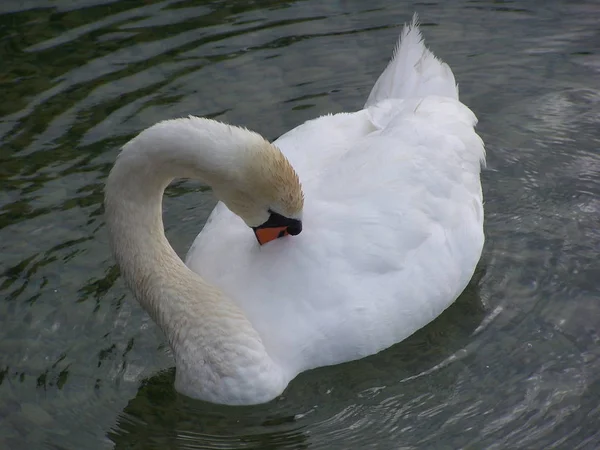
column 159, row 417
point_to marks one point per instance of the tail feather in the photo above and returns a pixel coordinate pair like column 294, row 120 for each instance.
column 413, row 71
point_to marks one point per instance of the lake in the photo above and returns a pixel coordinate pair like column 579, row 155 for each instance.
column 514, row 363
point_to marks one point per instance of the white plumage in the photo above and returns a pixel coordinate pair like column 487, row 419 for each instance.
column 392, row 232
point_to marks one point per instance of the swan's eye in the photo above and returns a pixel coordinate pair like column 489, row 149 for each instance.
column 275, row 227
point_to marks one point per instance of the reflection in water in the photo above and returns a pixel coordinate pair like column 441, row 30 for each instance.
column 78, row 79
column 158, row 416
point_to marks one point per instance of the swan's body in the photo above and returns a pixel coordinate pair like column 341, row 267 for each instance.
column 392, row 232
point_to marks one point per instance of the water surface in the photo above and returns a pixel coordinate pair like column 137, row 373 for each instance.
column 514, row 363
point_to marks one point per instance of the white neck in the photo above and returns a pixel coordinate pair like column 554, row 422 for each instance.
column 219, row 355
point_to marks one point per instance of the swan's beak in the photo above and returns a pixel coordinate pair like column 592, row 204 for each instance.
column 264, row 235
column 277, row 226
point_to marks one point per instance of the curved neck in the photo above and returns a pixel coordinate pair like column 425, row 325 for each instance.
column 210, row 336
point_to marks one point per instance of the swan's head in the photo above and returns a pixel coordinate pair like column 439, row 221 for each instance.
column 264, row 191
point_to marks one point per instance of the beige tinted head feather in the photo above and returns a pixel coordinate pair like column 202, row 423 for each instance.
column 266, row 183
column 277, row 180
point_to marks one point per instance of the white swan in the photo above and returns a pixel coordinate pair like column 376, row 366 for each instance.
column 391, row 224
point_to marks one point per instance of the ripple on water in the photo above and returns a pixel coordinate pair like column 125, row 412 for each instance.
column 512, row 364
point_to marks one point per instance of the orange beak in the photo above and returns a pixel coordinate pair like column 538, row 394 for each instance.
column 265, row 235
column 277, row 226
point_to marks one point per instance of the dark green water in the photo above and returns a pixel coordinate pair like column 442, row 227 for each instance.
column 515, row 363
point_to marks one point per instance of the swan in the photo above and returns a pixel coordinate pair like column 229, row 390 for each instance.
column 339, row 239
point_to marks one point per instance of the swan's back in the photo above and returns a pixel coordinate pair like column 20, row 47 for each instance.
column 393, row 222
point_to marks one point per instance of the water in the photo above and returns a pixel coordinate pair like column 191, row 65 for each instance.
column 515, row 363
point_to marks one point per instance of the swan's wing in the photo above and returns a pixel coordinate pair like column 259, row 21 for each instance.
column 401, row 215
column 407, row 197
column 434, row 133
